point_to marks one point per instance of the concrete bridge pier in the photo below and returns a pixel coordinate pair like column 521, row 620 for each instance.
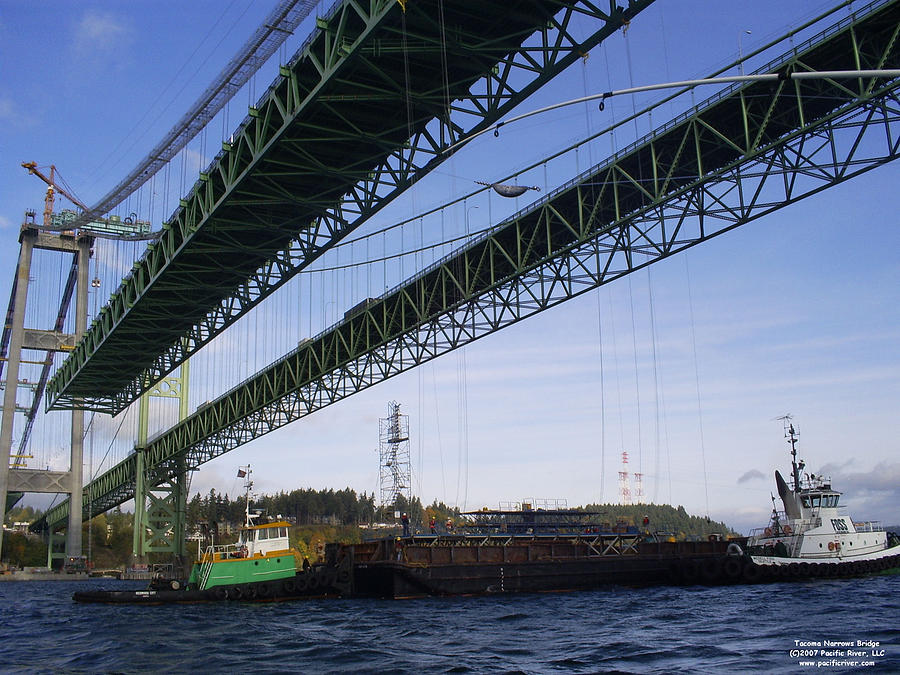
column 33, row 480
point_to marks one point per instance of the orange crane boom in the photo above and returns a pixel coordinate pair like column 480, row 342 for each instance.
column 51, row 188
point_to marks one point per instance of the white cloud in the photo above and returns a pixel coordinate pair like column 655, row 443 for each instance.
column 13, row 116
column 98, row 28
column 7, row 109
column 99, row 35
column 884, row 477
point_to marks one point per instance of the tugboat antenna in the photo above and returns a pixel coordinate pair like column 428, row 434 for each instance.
column 791, row 434
column 244, row 472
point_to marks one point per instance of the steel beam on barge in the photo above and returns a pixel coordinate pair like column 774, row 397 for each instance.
column 315, row 159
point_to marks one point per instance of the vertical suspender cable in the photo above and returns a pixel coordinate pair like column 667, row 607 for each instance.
column 687, row 273
column 602, row 397
column 637, row 379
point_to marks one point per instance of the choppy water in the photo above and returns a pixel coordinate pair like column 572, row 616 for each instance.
column 669, row 630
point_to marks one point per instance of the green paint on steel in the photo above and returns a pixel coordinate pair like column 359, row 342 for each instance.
column 685, row 183
column 244, row 571
column 160, row 510
column 315, row 159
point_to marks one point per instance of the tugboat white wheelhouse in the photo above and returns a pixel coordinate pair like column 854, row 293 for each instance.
column 812, row 529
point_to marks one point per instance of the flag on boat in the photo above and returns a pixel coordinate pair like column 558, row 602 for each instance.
column 241, row 473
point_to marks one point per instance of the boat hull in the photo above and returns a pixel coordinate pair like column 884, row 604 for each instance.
column 436, row 566
column 472, row 566
column 235, row 571
column 533, row 565
column 327, row 580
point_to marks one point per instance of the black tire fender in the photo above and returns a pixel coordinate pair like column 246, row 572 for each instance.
column 752, row 573
column 732, row 568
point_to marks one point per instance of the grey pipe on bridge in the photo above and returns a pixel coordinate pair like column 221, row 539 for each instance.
column 687, row 84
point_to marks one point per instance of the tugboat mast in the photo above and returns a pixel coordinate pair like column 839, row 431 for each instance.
column 244, row 472
column 791, row 435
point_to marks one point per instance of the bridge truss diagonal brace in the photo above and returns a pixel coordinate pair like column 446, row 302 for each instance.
column 354, row 358
column 534, row 63
column 590, row 231
column 37, row 480
column 304, row 381
column 165, row 517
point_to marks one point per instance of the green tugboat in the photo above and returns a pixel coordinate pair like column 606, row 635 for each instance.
column 250, row 566
column 260, row 566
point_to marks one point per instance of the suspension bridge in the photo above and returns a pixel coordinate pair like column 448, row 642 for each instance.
column 316, row 158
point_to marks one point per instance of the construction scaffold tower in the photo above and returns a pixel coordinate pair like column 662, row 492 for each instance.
column 393, row 451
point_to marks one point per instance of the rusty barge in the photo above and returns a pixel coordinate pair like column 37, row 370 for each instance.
column 483, row 564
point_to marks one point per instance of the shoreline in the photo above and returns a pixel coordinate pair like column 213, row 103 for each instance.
column 44, row 576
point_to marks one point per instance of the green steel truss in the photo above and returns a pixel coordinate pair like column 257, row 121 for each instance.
column 159, row 511
column 164, row 517
column 738, row 156
column 366, row 109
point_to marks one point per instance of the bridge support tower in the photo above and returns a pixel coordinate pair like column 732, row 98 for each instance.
column 159, row 511
column 17, row 479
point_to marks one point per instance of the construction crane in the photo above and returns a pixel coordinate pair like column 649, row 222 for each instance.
column 52, row 187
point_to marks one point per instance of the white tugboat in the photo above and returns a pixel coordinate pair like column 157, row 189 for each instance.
column 813, row 535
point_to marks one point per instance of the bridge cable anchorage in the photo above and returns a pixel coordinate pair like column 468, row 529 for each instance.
column 687, row 84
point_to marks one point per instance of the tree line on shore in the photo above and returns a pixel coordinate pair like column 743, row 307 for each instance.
column 318, row 516
column 311, row 507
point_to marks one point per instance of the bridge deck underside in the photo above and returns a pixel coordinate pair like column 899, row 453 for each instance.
column 359, row 92
column 743, row 125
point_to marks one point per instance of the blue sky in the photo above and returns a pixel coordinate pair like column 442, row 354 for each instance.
column 795, row 313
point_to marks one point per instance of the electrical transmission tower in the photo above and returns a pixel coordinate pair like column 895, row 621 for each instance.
column 624, row 485
column 393, row 450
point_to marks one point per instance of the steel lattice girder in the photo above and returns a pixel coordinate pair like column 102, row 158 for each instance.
column 737, row 157
column 164, row 518
column 316, row 159
column 112, row 488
